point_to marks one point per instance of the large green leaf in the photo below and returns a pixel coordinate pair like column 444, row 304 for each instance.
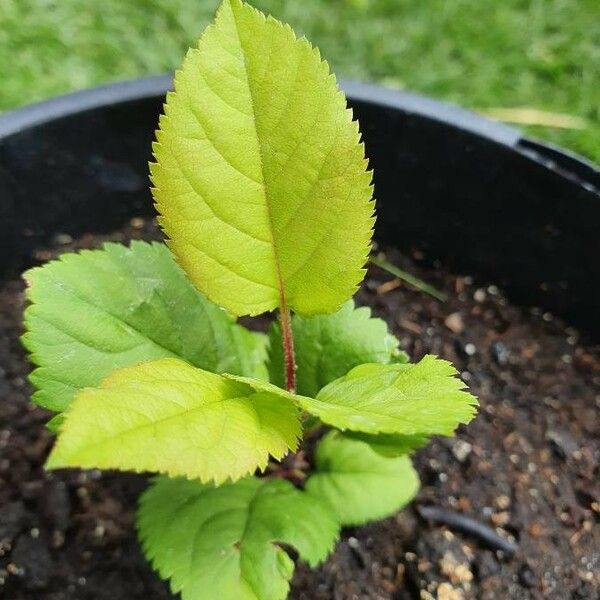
column 357, row 482
column 168, row 417
column 222, row 543
column 260, row 177
column 100, row 310
column 328, row 346
column 420, row 399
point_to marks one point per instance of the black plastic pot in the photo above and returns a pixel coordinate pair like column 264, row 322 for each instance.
column 470, row 192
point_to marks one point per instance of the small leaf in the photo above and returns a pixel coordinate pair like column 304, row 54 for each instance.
column 398, row 357
column 55, row 422
column 260, row 177
column 328, row 346
column 222, row 543
column 168, row 417
column 357, row 482
column 100, row 310
column 411, row 399
column 390, row 444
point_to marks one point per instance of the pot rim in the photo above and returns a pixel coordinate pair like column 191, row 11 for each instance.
column 569, row 164
column 79, row 101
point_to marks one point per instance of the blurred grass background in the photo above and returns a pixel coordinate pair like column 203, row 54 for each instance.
column 482, row 54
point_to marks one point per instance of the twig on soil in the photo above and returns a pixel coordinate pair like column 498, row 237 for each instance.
column 469, row 525
column 407, row 277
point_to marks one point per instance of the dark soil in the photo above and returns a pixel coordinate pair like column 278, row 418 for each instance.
column 526, row 468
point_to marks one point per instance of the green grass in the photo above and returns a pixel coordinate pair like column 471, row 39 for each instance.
column 543, row 54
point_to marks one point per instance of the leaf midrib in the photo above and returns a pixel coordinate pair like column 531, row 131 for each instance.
column 282, row 296
column 362, row 411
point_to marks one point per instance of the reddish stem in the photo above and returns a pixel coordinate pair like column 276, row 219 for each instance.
column 289, row 357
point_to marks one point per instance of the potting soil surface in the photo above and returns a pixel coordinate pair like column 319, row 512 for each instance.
column 526, row 469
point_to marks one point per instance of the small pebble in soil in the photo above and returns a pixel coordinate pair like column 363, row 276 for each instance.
column 502, row 502
column 445, row 591
column 137, row 222
column 470, row 349
column 62, row 239
column 461, row 449
column 465, row 350
column 458, row 572
column 499, row 353
column 479, row 295
column 455, row 323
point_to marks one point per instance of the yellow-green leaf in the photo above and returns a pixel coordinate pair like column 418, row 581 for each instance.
column 166, row 416
column 419, row 399
column 390, row 445
column 260, row 177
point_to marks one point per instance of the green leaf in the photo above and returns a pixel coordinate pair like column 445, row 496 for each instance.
column 168, row 417
column 390, row 444
column 411, row 399
column 328, row 346
column 357, row 482
column 260, row 177
column 100, row 310
column 222, row 543
column 55, row 422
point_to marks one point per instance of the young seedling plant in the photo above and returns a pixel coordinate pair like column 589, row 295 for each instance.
column 263, row 192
